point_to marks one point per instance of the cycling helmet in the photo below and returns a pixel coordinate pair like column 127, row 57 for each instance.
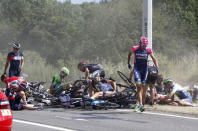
column 65, row 70
column 81, row 64
column 16, row 45
column 168, row 81
column 143, row 41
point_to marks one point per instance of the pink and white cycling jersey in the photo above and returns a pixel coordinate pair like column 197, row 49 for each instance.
column 141, row 56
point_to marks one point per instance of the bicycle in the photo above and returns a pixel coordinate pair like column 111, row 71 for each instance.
column 129, row 94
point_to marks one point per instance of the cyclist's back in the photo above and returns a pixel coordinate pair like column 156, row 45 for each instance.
column 152, row 75
column 91, row 70
column 93, row 67
column 56, row 81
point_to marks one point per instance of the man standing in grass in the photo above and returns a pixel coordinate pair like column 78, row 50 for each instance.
column 16, row 61
column 141, row 53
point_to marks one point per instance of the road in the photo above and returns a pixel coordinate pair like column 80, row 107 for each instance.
column 58, row 119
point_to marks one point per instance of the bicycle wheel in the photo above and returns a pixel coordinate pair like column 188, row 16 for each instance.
column 125, row 78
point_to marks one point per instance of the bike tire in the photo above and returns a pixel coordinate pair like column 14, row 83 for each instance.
column 125, row 78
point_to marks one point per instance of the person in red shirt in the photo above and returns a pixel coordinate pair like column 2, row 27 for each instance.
column 15, row 87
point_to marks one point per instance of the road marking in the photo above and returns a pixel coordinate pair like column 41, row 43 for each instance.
column 42, row 125
column 81, row 120
column 70, row 118
column 159, row 114
column 66, row 118
column 127, row 110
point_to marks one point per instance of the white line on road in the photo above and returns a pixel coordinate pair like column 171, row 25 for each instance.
column 81, row 120
column 42, row 125
column 68, row 118
column 159, row 114
column 127, row 110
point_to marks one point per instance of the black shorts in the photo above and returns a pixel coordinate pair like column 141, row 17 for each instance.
column 151, row 79
column 15, row 104
column 152, row 75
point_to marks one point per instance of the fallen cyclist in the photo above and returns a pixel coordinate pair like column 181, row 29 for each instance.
column 15, row 87
column 176, row 95
column 58, row 80
column 107, row 88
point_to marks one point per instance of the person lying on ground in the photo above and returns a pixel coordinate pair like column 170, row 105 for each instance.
column 107, row 88
column 184, row 98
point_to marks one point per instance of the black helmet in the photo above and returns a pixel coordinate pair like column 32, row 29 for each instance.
column 81, row 64
column 16, row 45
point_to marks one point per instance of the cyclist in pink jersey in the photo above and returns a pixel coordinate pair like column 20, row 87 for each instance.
column 141, row 53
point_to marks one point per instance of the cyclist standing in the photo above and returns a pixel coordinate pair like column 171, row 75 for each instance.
column 151, row 80
column 141, row 53
column 16, row 60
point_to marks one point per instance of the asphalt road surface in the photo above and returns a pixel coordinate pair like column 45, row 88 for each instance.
column 57, row 119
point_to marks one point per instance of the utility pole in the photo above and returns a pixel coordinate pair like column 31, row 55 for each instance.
column 147, row 20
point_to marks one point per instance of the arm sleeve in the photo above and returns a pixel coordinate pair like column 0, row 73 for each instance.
column 149, row 51
column 133, row 49
column 10, row 57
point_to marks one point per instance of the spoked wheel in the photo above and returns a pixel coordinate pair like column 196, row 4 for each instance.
column 125, row 78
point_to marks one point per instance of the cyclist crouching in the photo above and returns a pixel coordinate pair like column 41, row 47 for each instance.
column 56, row 86
column 15, row 87
column 107, row 88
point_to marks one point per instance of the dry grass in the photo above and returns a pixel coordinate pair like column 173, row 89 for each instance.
column 182, row 69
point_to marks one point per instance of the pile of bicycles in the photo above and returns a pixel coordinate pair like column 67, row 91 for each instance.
column 76, row 95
